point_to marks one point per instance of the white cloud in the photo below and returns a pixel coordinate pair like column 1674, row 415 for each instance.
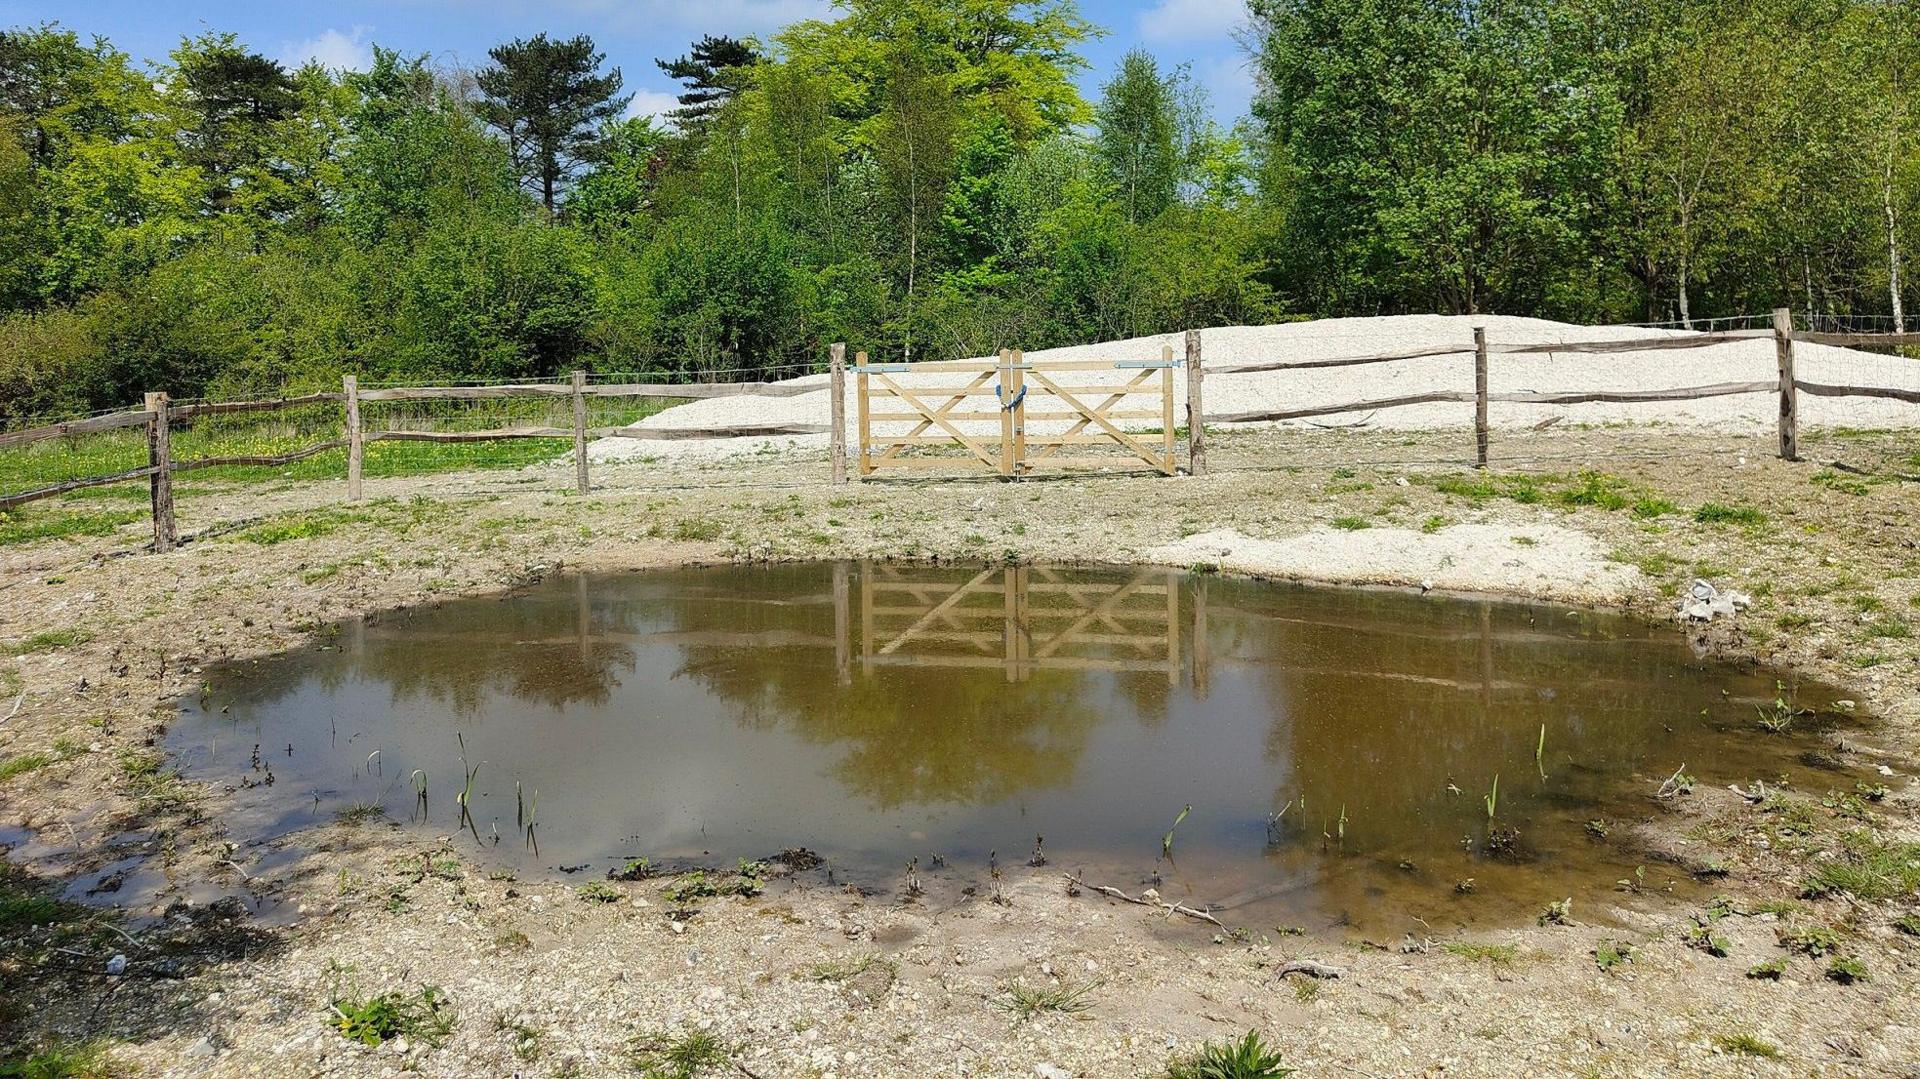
column 333, row 50
column 651, row 103
column 736, row 17
column 1192, row 20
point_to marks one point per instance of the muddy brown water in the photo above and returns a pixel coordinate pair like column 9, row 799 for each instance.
column 1337, row 746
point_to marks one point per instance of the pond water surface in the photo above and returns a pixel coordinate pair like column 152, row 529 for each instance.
column 1338, row 747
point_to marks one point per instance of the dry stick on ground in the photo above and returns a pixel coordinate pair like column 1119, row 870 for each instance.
column 1310, row 969
column 1171, row 908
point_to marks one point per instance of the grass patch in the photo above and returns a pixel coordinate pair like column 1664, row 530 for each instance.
column 1746, row 1044
column 296, row 527
column 24, row 763
column 1247, row 1058
column 22, row 526
column 49, row 640
column 1717, row 513
column 424, row 1016
column 843, row 970
column 1351, row 524
column 659, row 1056
column 1870, row 869
column 76, row 1060
column 1499, row 955
column 1067, row 998
column 153, row 785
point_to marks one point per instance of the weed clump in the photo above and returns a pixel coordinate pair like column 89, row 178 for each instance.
column 426, row 1016
column 1247, row 1058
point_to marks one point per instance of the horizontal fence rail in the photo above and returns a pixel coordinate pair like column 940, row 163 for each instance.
column 1097, row 422
column 159, row 416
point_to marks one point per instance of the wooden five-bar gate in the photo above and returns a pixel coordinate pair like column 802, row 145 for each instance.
column 1074, row 413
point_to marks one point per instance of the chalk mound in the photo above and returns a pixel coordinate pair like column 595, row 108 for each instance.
column 1731, row 361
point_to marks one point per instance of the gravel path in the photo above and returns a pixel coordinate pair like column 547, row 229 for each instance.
column 1735, row 361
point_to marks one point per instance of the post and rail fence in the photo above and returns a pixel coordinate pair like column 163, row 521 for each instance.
column 1009, row 379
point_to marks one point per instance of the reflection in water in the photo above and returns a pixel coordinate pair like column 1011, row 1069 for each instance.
column 1336, row 745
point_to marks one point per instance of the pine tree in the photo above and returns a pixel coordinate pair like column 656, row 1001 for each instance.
column 713, row 71
column 546, row 99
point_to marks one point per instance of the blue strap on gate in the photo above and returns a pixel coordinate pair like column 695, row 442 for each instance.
column 1006, row 405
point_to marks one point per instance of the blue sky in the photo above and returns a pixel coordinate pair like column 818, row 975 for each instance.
column 632, row 32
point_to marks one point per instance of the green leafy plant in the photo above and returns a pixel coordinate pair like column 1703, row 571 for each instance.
column 1847, row 970
column 1247, row 1058
column 424, row 1016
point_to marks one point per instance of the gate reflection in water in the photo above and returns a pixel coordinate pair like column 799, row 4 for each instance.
column 879, row 712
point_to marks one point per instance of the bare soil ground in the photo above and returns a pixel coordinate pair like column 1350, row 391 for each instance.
column 810, row 981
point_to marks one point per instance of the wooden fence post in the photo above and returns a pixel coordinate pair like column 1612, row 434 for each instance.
column 860, row 404
column 1005, row 399
column 1018, row 399
column 1789, row 393
column 356, row 443
column 580, row 432
column 1196, row 412
column 1480, row 396
column 160, row 484
column 837, row 386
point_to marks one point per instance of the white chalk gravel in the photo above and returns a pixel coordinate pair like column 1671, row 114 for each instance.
column 1746, row 360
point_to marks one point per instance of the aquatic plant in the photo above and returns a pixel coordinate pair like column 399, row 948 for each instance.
column 1166, row 841
column 1540, row 752
column 1491, row 799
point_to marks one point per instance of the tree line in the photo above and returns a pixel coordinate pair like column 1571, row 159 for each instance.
column 923, row 179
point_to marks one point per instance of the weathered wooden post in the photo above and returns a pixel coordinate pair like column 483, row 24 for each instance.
column 160, row 483
column 356, row 443
column 842, row 625
column 1018, row 401
column 580, row 432
column 860, row 404
column 1005, row 399
column 837, row 386
column 1196, row 412
column 1789, row 393
column 1480, row 396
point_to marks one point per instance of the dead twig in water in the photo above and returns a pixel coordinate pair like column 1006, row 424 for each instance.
column 1171, row 908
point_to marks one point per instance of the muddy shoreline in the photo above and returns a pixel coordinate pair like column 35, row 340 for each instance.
column 122, row 637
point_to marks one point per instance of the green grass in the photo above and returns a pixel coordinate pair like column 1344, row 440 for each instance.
column 1499, row 955
column 844, row 970
column 1870, row 869
column 1247, row 1058
column 22, row 764
column 75, row 1060
column 1067, row 998
column 32, row 524
column 424, row 1016
column 1351, row 524
column 659, row 1056
column 1746, row 1044
column 47, row 641
column 1718, row 513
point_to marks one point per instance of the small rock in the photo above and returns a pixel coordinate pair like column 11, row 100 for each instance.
column 117, row 965
column 200, row 1049
column 1051, row 1071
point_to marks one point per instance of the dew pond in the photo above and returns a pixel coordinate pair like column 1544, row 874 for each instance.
column 1338, row 747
